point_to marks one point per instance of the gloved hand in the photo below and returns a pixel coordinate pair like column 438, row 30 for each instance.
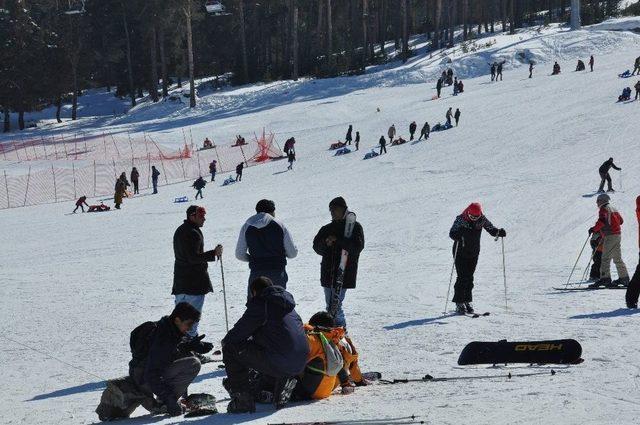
column 502, row 233
column 197, row 345
column 590, row 230
column 173, row 407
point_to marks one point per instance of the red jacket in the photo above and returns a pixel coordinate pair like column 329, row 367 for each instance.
column 609, row 221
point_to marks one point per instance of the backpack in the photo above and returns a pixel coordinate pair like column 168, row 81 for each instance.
column 333, row 357
column 140, row 341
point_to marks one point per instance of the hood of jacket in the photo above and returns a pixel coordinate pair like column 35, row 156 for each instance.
column 260, row 220
column 277, row 296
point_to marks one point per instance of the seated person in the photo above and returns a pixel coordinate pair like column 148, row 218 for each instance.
column 460, row 87
column 625, row 74
column 269, row 338
column 556, row 69
column 580, row 66
column 626, row 94
column 207, row 143
column 332, row 361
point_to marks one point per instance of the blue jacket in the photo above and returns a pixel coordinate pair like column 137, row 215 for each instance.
column 273, row 323
column 265, row 243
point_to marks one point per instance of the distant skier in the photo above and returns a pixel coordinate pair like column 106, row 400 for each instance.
column 439, row 86
column 426, row 129
column 291, row 157
column 457, row 116
column 383, row 145
column 80, row 203
column 556, row 69
column 610, row 224
column 154, row 178
column 449, row 115
column 604, row 174
column 198, row 185
column 135, row 177
column 239, row 169
column 499, row 70
column 591, row 62
column 530, row 69
column 494, row 67
column 466, row 232
column 636, row 66
column 637, row 87
column 412, row 129
column 348, row 138
column 633, row 291
column 289, row 144
column 392, row 132
column 357, row 141
column 580, row 66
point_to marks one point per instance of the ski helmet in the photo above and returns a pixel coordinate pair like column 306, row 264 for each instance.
column 603, row 199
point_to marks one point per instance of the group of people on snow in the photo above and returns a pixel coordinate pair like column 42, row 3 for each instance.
column 496, row 70
column 448, row 79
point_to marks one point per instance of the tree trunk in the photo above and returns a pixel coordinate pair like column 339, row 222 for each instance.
column 7, row 120
column 243, row 43
column 405, row 30
column 74, row 82
column 329, row 37
column 365, row 25
column 453, row 12
column 163, row 62
column 382, row 31
column 153, row 84
column 575, row 15
column 58, row 108
column 512, row 27
column 465, row 19
column 436, row 38
column 503, row 12
column 132, row 93
column 294, row 42
column 192, row 83
column 21, row 119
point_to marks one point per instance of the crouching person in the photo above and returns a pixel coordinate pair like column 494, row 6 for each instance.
column 269, row 338
column 332, row 361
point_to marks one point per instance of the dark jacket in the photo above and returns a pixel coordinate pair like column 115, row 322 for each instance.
column 383, row 141
column 606, row 166
column 239, row 168
column 331, row 254
column 135, row 175
column 265, row 243
column 457, row 114
column 426, row 129
column 466, row 234
column 199, row 184
column 155, row 173
column 271, row 320
column 162, row 352
column 412, row 127
column 190, row 274
column 439, row 83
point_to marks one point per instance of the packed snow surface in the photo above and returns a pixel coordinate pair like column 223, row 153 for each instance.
column 74, row 286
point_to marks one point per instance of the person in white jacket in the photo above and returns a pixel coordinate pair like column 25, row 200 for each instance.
column 265, row 243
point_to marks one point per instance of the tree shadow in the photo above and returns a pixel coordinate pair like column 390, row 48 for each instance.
column 84, row 388
column 621, row 312
column 419, row 322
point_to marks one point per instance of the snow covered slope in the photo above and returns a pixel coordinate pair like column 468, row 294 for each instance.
column 527, row 149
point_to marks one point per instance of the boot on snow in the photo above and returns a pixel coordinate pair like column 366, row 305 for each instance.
column 602, row 282
column 622, row 281
column 469, row 308
column 241, row 403
column 460, row 308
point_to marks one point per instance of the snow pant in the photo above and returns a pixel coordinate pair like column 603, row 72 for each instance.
column 339, row 318
column 78, row 206
column 493, row 76
column 531, row 73
column 238, row 177
column 426, row 136
column 636, row 68
column 239, row 359
column 199, row 192
column 457, row 119
column 122, row 397
column 177, row 376
column 438, row 92
column 347, row 141
column 605, row 177
column 155, row 185
column 499, row 75
column 594, row 273
column 411, row 135
column 279, row 277
column 383, row 148
column 633, row 291
column 591, row 66
column 213, row 176
column 135, row 187
column 197, row 302
column 611, row 251
column 465, row 268
column 290, row 167
column 357, row 145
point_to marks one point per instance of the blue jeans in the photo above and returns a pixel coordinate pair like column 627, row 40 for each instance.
column 197, row 301
column 340, row 319
column 279, row 277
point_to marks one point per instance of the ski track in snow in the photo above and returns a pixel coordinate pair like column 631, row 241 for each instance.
column 75, row 286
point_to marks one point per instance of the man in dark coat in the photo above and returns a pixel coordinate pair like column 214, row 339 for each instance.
column 190, row 276
column 239, row 169
column 154, row 178
column 604, row 174
column 135, row 177
column 269, row 338
column 426, row 129
column 466, row 232
column 412, row 129
column 383, row 145
column 198, row 185
column 439, row 86
column 348, row 138
column 329, row 243
column 456, row 116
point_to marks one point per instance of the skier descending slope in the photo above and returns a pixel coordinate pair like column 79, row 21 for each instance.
column 605, row 176
column 466, row 232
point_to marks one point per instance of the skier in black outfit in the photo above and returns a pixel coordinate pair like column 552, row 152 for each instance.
column 154, row 178
column 383, row 145
column 329, row 243
column 347, row 139
column 530, row 69
column 412, row 129
column 493, row 66
column 604, row 174
column 198, row 185
column 239, row 169
column 596, row 243
column 456, row 116
column 426, row 129
column 466, row 232
column 439, row 86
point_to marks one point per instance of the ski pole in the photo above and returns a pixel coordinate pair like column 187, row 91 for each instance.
column 224, row 295
column 455, row 255
column 577, row 259
column 504, row 275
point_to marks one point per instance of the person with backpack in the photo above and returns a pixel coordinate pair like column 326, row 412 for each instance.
column 291, row 157
column 383, row 145
column 605, row 176
column 348, row 137
column 135, row 176
column 329, row 243
column 610, row 224
column 239, row 169
column 154, row 178
column 269, row 338
column 198, row 185
column 213, row 168
column 265, row 243
column 426, row 129
column 456, row 116
column 191, row 280
column 357, row 141
column 162, row 363
column 633, row 291
column 80, row 203
column 412, row 129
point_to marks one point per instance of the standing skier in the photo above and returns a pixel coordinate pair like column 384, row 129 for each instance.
column 448, row 116
column 357, row 141
column 466, row 232
column 610, row 224
column 412, row 129
column 457, row 116
column 383, row 145
column 265, row 243
column 191, row 280
column 604, row 174
column 135, row 176
column 239, row 169
column 198, row 185
column 392, row 132
column 213, row 168
column 633, row 291
column 530, row 69
column 591, row 62
column 426, row 129
column 329, row 243
column 347, row 139
column 154, row 178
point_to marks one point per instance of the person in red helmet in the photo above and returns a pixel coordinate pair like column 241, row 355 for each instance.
column 633, row 291
column 466, row 232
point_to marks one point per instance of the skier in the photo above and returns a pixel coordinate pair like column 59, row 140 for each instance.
column 198, row 185
column 604, row 174
column 591, row 62
column 162, row 363
column 154, row 178
column 449, row 115
column 329, row 243
column 637, row 87
column 265, row 243
column 556, row 69
column 120, row 189
column 530, row 69
column 609, row 223
column 239, row 169
column 269, row 338
column 466, row 232
column 425, row 131
column 633, row 291
column 457, row 116
column 291, row 156
column 357, row 141
column 135, row 176
column 383, row 145
column 347, row 138
column 412, row 129
column 392, row 132
column 493, row 66
column 636, row 66
column 191, row 280
column 439, row 86
column 580, row 66
column 499, row 70
column 79, row 203
column 213, row 168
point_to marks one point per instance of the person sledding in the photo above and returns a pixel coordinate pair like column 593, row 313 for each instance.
column 610, row 224
column 626, row 95
column 466, row 232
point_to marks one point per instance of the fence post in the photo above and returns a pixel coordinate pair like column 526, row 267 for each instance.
column 94, row 178
column 184, row 176
column 130, row 144
column 27, row 189
column 6, row 186
column 64, row 144
column 218, row 156
column 55, row 188
column 16, row 150
column 73, row 173
column 55, row 147
column 115, row 173
column 148, row 169
column 4, row 155
column 33, row 145
column 245, row 158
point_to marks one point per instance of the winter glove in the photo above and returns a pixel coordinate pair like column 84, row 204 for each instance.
column 590, row 230
column 502, row 233
column 196, row 345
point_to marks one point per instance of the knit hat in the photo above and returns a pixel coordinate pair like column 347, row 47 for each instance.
column 474, row 209
column 603, row 199
column 338, row 202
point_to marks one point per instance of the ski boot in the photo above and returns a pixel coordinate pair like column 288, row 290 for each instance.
column 241, row 403
column 460, row 308
column 469, row 308
column 622, row 281
column 282, row 391
column 600, row 283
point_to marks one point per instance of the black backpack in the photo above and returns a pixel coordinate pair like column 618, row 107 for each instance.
column 140, row 341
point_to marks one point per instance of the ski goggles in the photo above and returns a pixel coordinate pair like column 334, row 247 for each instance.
column 473, row 217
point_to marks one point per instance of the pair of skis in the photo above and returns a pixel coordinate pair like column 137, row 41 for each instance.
column 350, row 222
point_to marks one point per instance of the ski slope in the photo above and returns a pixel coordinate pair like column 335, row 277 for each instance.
column 74, row 286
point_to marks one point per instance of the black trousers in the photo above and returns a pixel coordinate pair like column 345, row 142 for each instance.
column 595, row 267
column 199, row 192
column 239, row 359
column 383, row 148
column 465, row 268
column 605, row 177
column 633, row 291
column 135, row 186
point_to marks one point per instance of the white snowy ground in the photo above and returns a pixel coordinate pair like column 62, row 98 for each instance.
column 528, row 149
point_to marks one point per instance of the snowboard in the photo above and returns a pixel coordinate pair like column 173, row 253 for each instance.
column 560, row 351
column 200, row 404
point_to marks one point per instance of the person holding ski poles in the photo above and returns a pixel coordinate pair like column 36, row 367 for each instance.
column 466, row 232
column 329, row 243
column 605, row 176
